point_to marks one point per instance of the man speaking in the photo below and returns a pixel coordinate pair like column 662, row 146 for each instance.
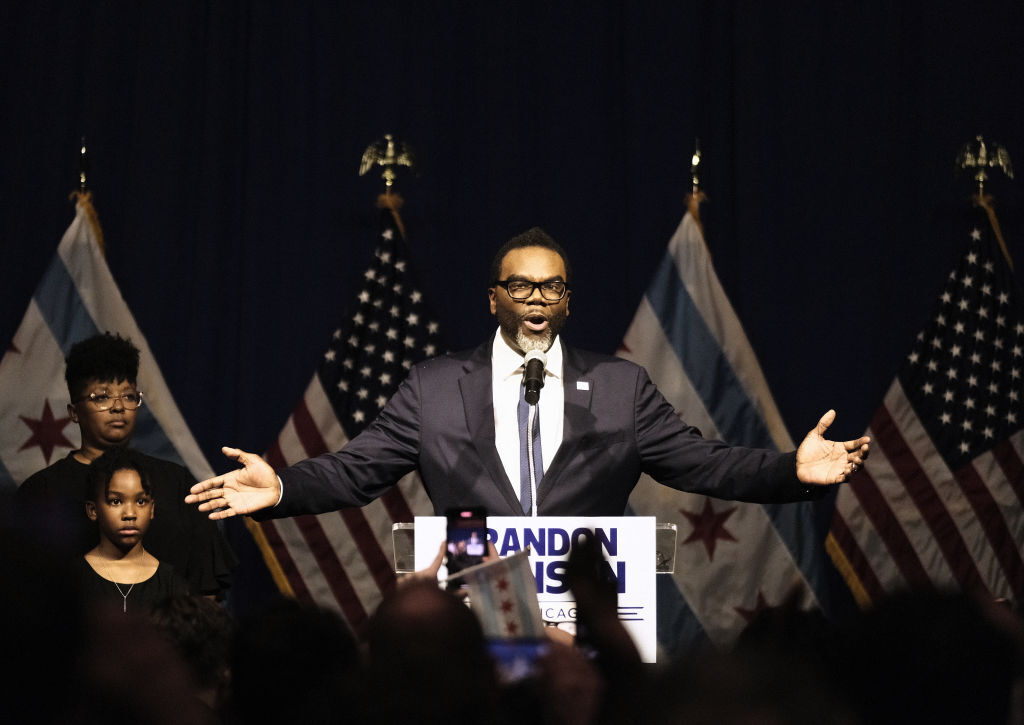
column 526, row 425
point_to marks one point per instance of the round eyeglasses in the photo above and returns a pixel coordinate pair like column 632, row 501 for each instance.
column 521, row 289
column 105, row 401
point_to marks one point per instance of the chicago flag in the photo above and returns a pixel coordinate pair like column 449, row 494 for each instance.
column 732, row 558
column 76, row 298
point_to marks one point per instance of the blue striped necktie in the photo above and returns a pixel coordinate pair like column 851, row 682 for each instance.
column 525, row 495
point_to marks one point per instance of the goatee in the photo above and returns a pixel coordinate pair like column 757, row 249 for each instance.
column 533, row 342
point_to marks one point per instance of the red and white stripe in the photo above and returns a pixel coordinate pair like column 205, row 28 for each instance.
column 907, row 520
column 343, row 560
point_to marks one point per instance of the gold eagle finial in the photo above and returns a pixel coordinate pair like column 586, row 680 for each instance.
column 389, row 154
column 980, row 156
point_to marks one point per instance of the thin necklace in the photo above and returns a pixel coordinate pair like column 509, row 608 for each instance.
column 124, row 594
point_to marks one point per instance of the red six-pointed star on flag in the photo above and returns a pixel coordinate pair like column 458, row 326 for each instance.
column 47, row 432
column 750, row 614
column 709, row 526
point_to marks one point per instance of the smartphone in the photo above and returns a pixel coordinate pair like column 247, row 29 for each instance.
column 467, row 541
column 516, row 659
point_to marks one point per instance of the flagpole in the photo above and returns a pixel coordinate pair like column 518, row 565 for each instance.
column 83, row 168
column 985, row 202
column 393, row 200
column 696, row 196
column 83, row 198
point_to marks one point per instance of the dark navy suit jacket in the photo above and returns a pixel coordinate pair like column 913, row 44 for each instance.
column 617, row 426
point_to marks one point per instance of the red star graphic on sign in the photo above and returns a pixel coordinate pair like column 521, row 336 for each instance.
column 502, row 584
column 750, row 614
column 512, row 628
column 506, row 606
column 47, row 432
column 709, row 526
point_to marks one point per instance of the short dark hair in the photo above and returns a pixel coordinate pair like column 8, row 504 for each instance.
column 113, row 460
column 200, row 630
column 105, row 357
column 535, row 237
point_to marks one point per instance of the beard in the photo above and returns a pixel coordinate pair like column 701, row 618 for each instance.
column 511, row 322
column 541, row 342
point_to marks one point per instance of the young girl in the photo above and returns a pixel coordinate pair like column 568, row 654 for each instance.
column 119, row 570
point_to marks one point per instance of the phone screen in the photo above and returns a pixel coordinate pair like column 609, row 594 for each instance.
column 516, row 659
column 467, row 541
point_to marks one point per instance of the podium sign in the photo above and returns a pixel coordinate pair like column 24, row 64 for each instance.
column 627, row 543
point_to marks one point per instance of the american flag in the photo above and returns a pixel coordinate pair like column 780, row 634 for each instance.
column 344, row 560
column 732, row 559
column 938, row 504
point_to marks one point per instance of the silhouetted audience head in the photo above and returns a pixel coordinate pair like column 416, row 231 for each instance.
column 427, row 659
column 292, row 662
column 749, row 686
column 131, row 673
column 795, row 638
column 775, row 672
column 200, row 630
column 934, row 657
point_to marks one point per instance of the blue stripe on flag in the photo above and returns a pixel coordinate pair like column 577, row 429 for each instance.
column 677, row 624
column 795, row 523
column 62, row 308
column 706, row 366
column 69, row 321
column 738, row 421
column 7, row 484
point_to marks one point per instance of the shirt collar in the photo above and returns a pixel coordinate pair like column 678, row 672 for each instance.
column 507, row 362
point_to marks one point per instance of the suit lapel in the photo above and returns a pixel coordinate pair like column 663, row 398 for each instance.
column 478, row 404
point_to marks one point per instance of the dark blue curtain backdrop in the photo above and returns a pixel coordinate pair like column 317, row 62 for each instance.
column 225, row 140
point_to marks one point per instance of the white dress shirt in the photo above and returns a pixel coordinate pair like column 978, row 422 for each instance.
column 507, row 367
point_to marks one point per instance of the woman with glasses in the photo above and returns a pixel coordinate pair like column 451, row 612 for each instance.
column 102, row 378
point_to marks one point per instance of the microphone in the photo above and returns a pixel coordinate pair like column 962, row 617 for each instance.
column 533, row 379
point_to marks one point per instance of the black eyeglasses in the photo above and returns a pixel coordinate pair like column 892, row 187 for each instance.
column 105, row 401
column 521, row 289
